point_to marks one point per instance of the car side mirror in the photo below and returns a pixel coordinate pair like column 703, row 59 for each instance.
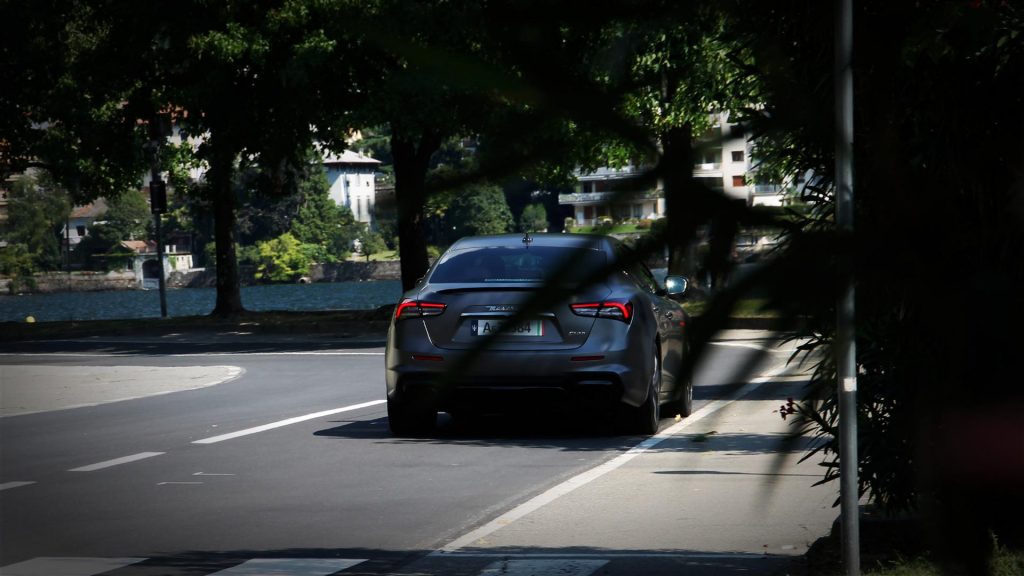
column 675, row 286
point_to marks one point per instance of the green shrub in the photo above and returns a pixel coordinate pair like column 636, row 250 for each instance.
column 283, row 259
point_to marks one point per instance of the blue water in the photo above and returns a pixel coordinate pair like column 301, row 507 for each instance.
column 197, row 301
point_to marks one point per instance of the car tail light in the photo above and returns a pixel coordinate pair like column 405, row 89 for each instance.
column 615, row 309
column 417, row 309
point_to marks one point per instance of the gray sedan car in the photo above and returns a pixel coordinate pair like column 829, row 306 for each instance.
column 542, row 320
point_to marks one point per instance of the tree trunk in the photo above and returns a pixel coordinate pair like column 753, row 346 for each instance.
column 229, row 294
column 677, row 165
column 411, row 161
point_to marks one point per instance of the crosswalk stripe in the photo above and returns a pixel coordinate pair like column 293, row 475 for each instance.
column 551, row 567
column 290, row 567
column 66, row 566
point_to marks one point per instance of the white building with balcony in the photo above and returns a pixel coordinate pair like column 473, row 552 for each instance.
column 723, row 164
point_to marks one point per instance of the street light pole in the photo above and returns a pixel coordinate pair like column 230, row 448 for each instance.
column 846, row 345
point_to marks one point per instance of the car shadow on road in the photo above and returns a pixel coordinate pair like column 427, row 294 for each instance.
column 495, row 430
column 534, row 433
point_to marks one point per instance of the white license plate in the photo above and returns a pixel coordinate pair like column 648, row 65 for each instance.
column 522, row 328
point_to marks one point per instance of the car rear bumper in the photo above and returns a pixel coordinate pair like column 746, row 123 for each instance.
column 507, row 378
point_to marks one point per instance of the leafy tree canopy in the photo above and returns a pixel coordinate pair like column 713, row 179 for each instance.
column 37, row 211
column 479, row 209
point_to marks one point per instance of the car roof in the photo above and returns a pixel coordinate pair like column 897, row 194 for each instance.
column 596, row 241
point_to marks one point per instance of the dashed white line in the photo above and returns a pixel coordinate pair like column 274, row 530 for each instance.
column 9, row 485
column 64, row 566
column 289, row 421
column 290, row 567
column 116, row 462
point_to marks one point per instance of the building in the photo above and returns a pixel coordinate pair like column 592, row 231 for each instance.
column 723, row 164
column 145, row 264
column 80, row 220
column 351, row 177
column 615, row 194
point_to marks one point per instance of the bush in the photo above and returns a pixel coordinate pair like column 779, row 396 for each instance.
column 283, row 259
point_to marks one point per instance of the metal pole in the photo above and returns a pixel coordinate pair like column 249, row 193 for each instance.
column 846, row 346
column 160, row 259
column 157, row 201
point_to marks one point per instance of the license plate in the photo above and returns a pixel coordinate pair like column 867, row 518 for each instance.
column 522, row 328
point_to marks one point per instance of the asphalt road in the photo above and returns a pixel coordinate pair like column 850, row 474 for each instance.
column 280, row 462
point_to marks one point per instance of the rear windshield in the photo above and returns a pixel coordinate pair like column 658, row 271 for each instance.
column 534, row 264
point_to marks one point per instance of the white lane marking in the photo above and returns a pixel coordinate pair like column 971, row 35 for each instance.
column 290, row 567
column 211, row 474
column 9, row 485
column 545, row 567
column 296, row 420
column 598, row 471
column 178, row 483
column 617, row 555
column 66, row 566
column 115, row 462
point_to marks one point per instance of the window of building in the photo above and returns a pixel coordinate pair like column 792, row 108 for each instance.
column 711, row 156
column 738, row 181
column 80, row 230
column 737, row 155
column 711, row 182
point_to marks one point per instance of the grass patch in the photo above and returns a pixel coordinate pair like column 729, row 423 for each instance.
column 378, row 257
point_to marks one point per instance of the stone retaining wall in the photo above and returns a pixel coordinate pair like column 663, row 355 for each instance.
column 340, row 272
column 50, row 282
column 201, row 277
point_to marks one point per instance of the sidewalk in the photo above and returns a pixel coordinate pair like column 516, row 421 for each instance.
column 731, row 461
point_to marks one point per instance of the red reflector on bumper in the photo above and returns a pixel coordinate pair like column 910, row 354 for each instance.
column 586, row 358
column 428, row 358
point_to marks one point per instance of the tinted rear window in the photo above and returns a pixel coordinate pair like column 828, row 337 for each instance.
column 504, row 265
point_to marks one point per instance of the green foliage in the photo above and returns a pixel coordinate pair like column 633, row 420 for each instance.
column 37, row 211
column 283, row 259
column 929, row 374
column 534, row 218
column 479, row 209
column 321, row 223
column 127, row 218
column 17, row 264
column 371, row 243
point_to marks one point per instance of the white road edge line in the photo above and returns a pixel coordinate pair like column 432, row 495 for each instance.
column 589, row 476
column 9, row 485
column 116, row 462
column 67, row 566
column 234, row 372
column 289, row 421
column 290, row 566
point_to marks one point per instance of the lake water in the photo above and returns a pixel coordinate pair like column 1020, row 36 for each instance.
column 197, row 301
